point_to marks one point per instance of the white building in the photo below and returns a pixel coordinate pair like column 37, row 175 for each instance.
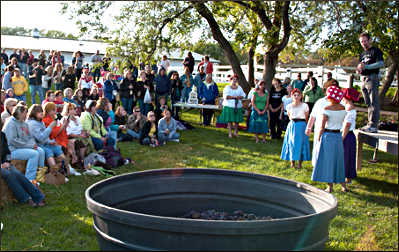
column 88, row 48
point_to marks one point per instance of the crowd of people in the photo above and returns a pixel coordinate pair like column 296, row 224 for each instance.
column 80, row 114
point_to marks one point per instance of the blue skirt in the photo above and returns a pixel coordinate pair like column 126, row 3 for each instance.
column 258, row 123
column 296, row 142
column 329, row 159
column 350, row 155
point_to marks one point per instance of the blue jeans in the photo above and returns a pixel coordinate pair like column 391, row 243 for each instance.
column 127, row 104
column 133, row 133
column 59, row 86
column 175, row 110
column 164, row 138
column 22, row 188
column 147, row 108
column 36, row 89
column 113, row 135
column 371, row 98
column 20, row 97
column 141, row 105
column 35, row 159
column 24, row 69
column 98, row 144
column 52, row 150
column 185, row 94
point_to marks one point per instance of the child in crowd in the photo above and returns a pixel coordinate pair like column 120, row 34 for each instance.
column 350, row 95
column 162, row 106
column 287, row 99
column 329, row 154
column 10, row 93
column 296, row 143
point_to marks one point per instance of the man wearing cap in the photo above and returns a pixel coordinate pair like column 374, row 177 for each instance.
column 370, row 62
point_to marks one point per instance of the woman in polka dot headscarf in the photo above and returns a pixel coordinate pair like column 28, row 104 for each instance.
column 329, row 154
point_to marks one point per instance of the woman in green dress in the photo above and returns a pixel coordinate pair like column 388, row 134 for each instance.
column 258, row 123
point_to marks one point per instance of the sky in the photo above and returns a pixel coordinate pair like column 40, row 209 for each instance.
column 37, row 14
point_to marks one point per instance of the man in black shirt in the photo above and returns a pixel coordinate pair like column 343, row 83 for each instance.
column 370, row 62
column 35, row 81
column 4, row 56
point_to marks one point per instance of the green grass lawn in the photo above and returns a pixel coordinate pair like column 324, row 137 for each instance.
column 367, row 216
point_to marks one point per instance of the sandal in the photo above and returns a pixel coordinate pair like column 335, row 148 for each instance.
column 344, row 190
column 329, row 190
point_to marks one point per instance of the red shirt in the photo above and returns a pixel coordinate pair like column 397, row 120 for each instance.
column 60, row 137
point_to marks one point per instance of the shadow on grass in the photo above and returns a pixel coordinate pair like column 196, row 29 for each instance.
column 374, row 185
column 377, row 199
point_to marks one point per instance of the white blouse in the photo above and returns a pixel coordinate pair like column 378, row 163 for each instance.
column 335, row 119
column 297, row 112
column 228, row 91
column 350, row 118
column 286, row 100
column 74, row 127
column 85, row 84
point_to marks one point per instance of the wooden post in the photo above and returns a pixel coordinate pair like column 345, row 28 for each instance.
column 351, row 77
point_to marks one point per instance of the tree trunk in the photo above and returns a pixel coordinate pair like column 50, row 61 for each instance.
column 270, row 63
column 395, row 97
column 224, row 44
column 393, row 68
column 251, row 67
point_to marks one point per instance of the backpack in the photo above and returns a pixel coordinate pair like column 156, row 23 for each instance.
column 112, row 157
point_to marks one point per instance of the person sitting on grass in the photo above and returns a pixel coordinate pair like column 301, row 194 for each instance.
column 135, row 123
column 68, row 93
column 121, row 121
column 167, row 127
column 59, row 101
column 149, row 133
column 50, row 97
column 93, row 124
column 94, row 93
column 10, row 93
column 296, row 142
column 104, row 109
column 9, row 105
column 78, row 98
column 159, row 110
column 23, row 190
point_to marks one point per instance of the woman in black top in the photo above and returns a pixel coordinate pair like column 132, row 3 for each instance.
column 276, row 108
column 69, row 78
column 126, row 92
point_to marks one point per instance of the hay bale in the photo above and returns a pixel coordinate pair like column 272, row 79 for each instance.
column 6, row 193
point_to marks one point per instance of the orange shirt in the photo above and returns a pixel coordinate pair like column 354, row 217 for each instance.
column 61, row 138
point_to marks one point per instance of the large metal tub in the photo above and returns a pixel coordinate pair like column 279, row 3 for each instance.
column 141, row 211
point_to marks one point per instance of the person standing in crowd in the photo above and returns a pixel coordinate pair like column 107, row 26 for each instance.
column 188, row 82
column 312, row 93
column 93, row 124
column 199, row 78
column 176, row 93
column 135, row 123
column 258, row 119
column 97, row 62
column 189, row 62
column 232, row 105
column 19, row 85
column 23, row 62
column 329, row 162
column 31, row 58
column 127, row 92
column 167, row 127
column 3, row 68
column 371, row 60
column 140, row 90
column 162, row 87
column 149, row 75
column 23, row 190
column 42, row 58
column 50, row 58
column 69, row 78
column 287, row 99
column 298, row 83
column 165, row 63
column 106, row 63
column 296, row 142
column 85, row 83
column 14, row 63
column 2, row 100
column 328, row 81
column 350, row 95
column 22, row 144
column 57, row 58
column 77, row 63
column 110, row 88
column 14, row 54
column 308, row 78
column 276, row 109
column 208, row 66
column 208, row 93
column 35, row 81
column 7, row 77
column 57, row 76
column 47, row 79
column 286, row 82
column 4, row 56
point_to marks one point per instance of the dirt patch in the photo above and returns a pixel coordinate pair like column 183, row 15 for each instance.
column 368, row 242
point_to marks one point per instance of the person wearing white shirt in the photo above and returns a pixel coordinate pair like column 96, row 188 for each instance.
column 350, row 94
column 296, row 142
column 287, row 99
column 165, row 63
column 329, row 153
column 232, row 105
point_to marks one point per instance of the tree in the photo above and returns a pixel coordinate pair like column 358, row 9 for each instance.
column 17, row 31
column 379, row 18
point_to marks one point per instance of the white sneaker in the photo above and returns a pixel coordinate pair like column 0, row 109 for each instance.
column 91, row 172
column 175, row 140
column 74, row 172
column 66, row 180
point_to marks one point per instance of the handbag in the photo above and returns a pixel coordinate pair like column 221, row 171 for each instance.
column 147, row 96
